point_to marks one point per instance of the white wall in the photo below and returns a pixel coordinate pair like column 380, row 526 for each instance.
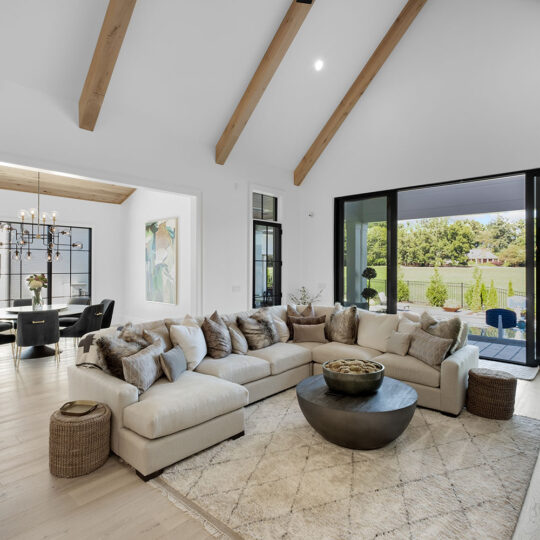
column 106, row 221
column 148, row 205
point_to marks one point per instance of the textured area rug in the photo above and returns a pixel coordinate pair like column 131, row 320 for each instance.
column 526, row 373
column 445, row 477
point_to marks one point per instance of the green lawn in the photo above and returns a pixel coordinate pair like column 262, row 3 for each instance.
column 501, row 275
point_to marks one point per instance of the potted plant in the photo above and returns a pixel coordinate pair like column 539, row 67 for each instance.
column 36, row 282
column 369, row 293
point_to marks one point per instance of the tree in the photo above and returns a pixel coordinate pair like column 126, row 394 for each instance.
column 513, row 255
column 437, row 292
column 510, row 289
column 501, row 233
column 368, row 293
column 473, row 295
column 492, row 298
column 376, row 244
column 403, row 292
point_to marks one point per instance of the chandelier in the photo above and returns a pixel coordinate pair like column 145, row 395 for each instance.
column 36, row 226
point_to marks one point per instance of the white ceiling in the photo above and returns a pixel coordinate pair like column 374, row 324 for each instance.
column 185, row 64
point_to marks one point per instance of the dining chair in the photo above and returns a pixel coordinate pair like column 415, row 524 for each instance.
column 89, row 321
column 108, row 309
column 7, row 338
column 69, row 320
column 36, row 328
column 22, row 302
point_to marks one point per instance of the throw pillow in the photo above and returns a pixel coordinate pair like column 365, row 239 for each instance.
column 398, row 343
column 259, row 330
column 292, row 311
column 143, row 368
column 113, row 349
column 218, row 338
column 447, row 328
column 428, row 348
column 304, row 320
column 374, row 329
column 343, row 324
column 238, row 340
column 406, row 326
column 173, row 363
column 88, row 353
column 309, row 333
column 282, row 329
column 133, row 334
column 190, row 338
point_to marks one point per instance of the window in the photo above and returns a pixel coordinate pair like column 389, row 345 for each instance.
column 266, row 252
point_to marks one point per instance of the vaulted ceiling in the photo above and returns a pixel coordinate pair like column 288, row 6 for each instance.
column 184, row 66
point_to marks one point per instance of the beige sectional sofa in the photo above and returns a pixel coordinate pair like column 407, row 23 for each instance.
column 173, row 420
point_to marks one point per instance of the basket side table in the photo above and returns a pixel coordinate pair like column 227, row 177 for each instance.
column 79, row 445
column 491, row 393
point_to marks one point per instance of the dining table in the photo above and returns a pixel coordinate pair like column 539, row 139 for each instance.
column 40, row 351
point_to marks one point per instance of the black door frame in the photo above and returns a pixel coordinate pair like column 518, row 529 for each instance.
column 278, row 261
column 532, row 246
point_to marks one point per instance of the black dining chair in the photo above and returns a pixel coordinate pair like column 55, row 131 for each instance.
column 108, row 309
column 35, row 328
column 69, row 320
column 22, row 302
column 7, row 338
column 89, row 321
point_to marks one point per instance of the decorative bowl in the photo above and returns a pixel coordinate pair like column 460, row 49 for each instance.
column 353, row 384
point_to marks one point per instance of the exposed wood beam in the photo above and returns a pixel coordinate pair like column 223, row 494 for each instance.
column 106, row 53
column 372, row 67
column 25, row 180
column 279, row 46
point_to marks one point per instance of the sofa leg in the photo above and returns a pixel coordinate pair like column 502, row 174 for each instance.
column 238, row 435
column 148, row 476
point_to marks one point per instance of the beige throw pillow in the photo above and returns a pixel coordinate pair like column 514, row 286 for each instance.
column 343, row 324
column 304, row 320
column 313, row 333
column 292, row 311
column 143, row 368
column 238, row 340
column 428, row 348
column 406, row 326
column 447, row 328
column 374, row 329
column 259, row 330
column 190, row 338
column 218, row 338
column 398, row 343
column 282, row 329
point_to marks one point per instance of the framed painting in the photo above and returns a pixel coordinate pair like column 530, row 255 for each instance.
column 160, row 257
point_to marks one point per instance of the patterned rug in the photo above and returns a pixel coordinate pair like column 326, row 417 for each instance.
column 445, row 477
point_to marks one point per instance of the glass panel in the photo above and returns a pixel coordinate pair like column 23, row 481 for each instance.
column 267, row 265
column 79, row 235
column 269, row 208
column 79, row 285
column 36, row 265
column 79, row 261
column 257, row 206
column 365, row 247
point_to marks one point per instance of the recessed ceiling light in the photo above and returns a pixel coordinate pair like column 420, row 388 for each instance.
column 318, row 65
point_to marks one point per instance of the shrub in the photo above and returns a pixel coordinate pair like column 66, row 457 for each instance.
column 403, row 292
column 492, row 298
column 473, row 295
column 510, row 289
column 437, row 292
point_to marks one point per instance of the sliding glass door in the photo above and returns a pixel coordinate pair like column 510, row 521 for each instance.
column 364, row 258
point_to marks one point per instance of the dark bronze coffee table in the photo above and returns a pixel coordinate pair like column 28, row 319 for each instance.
column 359, row 422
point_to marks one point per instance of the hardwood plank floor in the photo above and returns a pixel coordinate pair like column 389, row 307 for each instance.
column 112, row 502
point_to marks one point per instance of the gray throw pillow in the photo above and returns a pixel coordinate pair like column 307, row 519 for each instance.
column 238, row 340
column 217, row 336
column 304, row 333
column 343, row 324
column 449, row 329
column 428, row 348
column 113, row 349
column 143, row 368
column 398, row 343
column 173, row 363
column 259, row 330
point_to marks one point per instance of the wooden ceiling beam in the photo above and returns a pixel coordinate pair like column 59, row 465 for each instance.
column 106, row 53
column 372, row 67
column 275, row 53
column 56, row 185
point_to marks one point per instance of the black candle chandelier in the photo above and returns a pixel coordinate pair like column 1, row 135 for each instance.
column 37, row 226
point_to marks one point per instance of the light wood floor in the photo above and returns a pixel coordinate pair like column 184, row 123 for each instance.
column 109, row 503
column 112, row 502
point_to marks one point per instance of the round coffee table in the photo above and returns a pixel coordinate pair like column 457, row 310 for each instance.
column 359, row 422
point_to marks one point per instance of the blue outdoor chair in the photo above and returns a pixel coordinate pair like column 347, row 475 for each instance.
column 501, row 319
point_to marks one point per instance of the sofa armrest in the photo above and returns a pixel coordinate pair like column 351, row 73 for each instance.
column 94, row 384
column 454, row 378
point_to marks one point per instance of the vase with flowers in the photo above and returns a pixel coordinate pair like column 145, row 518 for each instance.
column 37, row 282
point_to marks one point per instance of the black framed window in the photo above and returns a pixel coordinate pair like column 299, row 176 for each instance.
column 68, row 276
column 267, row 261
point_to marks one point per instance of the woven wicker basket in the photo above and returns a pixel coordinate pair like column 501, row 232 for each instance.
column 491, row 393
column 79, row 445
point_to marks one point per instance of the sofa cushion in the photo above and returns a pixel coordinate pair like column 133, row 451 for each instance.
column 409, row 369
column 237, row 368
column 283, row 356
column 375, row 328
column 309, row 345
column 168, row 407
column 336, row 351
